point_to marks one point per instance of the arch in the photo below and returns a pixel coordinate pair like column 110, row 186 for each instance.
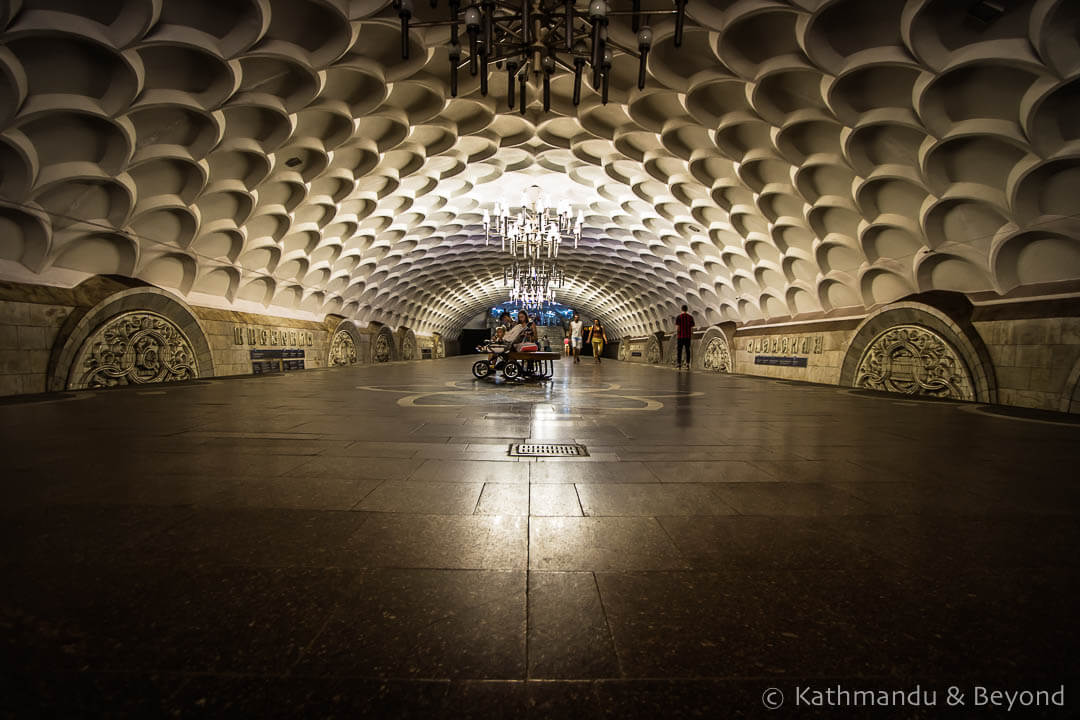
column 919, row 349
column 348, row 346
column 407, row 348
column 717, row 352
column 131, row 337
column 383, row 348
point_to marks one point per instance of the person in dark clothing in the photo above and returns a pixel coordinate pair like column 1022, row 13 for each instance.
column 684, row 331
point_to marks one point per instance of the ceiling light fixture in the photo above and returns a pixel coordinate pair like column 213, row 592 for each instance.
column 538, row 230
column 532, row 283
column 539, row 37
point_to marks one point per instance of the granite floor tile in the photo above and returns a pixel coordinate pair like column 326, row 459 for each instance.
column 600, row 543
column 572, row 471
column 472, row 471
column 307, row 493
column 264, row 696
column 553, row 499
column 652, row 499
column 568, row 632
column 399, row 540
column 424, row 623
column 435, row 498
column 374, row 468
column 77, row 534
column 719, row 471
column 99, row 618
column 748, row 542
column 504, row 499
column 790, row 499
column 263, row 537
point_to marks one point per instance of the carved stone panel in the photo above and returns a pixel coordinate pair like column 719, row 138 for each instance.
column 717, row 356
column 408, row 345
column 383, row 349
column 342, row 350
column 624, row 349
column 134, row 348
column 438, row 349
column 914, row 360
column 652, row 351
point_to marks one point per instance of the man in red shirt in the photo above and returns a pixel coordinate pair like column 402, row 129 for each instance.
column 684, row 325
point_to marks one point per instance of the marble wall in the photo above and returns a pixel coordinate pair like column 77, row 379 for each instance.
column 27, row 333
column 106, row 333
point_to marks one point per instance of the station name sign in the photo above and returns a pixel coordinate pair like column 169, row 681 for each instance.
column 272, row 337
column 794, row 345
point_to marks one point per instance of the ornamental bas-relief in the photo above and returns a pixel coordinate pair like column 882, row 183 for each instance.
column 717, row 357
column 342, row 350
column 134, row 348
column 914, row 360
column 381, row 349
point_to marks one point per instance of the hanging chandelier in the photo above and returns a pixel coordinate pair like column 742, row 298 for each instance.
column 539, row 37
column 537, row 230
column 532, row 283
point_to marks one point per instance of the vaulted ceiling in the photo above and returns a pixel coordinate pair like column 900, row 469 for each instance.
column 793, row 159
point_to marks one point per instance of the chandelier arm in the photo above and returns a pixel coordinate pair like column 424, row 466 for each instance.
column 643, row 12
column 624, row 48
column 562, row 63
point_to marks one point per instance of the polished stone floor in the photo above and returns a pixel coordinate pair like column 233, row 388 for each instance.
column 357, row 542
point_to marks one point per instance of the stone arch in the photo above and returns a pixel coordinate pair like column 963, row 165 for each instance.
column 916, row 348
column 717, row 352
column 347, row 346
column 383, row 348
column 132, row 337
column 407, row 348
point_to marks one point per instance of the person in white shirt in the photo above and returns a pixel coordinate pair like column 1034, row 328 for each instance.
column 576, row 328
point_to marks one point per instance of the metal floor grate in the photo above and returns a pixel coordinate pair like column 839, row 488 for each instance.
column 547, row 450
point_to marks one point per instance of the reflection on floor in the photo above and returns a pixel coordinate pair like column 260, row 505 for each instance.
column 357, row 541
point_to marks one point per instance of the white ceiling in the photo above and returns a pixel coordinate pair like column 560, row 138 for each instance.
column 793, row 160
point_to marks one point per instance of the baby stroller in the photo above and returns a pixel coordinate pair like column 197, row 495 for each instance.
column 499, row 352
column 501, row 360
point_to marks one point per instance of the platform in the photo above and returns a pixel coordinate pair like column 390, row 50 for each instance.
column 356, row 542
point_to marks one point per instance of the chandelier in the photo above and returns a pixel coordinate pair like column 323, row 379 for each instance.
column 532, row 283
column 539, row 37
column 537, row 230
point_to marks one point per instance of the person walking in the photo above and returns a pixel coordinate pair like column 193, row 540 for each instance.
column 577, row 328
column 597, row 337
column 684, row 332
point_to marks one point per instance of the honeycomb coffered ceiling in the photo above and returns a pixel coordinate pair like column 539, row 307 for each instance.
column 798, row 159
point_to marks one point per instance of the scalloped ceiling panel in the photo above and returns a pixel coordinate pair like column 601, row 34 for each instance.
column 792, row 160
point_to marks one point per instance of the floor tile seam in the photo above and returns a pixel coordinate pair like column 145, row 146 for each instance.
column 607, row 624
column 356, row 506
column 581, row 505
column 528, row 563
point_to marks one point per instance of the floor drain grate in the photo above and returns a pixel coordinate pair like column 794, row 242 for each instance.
column 547, row 450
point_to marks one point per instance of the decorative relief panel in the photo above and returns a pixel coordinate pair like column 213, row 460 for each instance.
column 438, row 348
column 652, row 351
column 342, row 349
column 408, row 345
column 134, row 348
column 717, row 356
column 383, row 349
column 624, row 349
column 914, row 360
